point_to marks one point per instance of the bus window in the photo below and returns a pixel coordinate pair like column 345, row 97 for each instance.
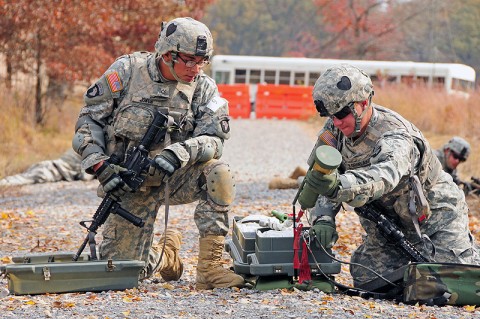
column 284, row 77
column 312, row 78
column 299, row 78
column 240, row 76
column 424, row 80
column 222, row 77
column 461, row 85
column 269, row 76
column 438, row 82
column 254, row 76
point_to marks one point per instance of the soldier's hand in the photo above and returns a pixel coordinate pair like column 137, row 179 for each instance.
column 325, row 184
column 325, row 231
column 109, row 175
column 167, row 162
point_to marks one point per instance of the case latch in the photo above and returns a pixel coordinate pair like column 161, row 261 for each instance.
column 110, row 265
column 46, row 273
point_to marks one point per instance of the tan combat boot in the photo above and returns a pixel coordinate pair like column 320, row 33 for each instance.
column 171, row 267
column 210, row 272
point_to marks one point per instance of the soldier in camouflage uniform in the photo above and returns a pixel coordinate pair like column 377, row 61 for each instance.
column 453, row 153
column 119, row 108
column 382, row 152
column 65, row 168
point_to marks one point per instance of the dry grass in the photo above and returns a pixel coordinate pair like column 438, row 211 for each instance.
column 438, row 115
column 24, row 143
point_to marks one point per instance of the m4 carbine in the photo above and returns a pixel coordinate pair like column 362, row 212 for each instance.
column 390, row 231
column 137, row 164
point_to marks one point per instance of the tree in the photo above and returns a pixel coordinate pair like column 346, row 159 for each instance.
column 270, row 27
column 64, row 41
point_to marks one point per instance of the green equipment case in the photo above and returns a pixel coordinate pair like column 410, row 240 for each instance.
column 263, row 252
column 57, row 273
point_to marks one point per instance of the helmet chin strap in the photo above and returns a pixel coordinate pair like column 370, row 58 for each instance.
column 170, row 67
column 358, row 118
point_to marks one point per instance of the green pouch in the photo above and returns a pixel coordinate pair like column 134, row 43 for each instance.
column 442, row 284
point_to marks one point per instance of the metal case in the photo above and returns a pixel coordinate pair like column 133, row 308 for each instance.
column 50, row 273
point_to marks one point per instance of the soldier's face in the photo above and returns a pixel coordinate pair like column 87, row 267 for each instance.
column 453, row 160
column 347, row 123
column 188, row 67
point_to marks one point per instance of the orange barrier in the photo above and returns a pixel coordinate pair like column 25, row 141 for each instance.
column 284, row 101
column 238, row 97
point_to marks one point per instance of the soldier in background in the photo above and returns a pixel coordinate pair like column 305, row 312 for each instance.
column 118, row 110
column 454, row 152
column 65, row 168
column 381, row 154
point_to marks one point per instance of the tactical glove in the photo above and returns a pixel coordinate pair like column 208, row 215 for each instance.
column 109, row 175
column 324, row 184
column 167, row 162
column 325, row 231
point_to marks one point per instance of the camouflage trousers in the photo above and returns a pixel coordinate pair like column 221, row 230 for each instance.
column 454, row 244
column 65, row 168
column 122, row 240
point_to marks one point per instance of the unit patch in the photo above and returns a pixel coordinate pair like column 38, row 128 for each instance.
column 225, row 126
column 114, row 81
column 95, row 90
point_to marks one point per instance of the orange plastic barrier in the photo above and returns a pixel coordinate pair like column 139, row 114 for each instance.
column 284, row 101
column 238, row 97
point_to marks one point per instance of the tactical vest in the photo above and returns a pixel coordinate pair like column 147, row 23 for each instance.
column 142, row 97
column 357, row 154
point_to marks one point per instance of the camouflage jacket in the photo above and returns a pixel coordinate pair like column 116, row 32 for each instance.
column 119, row 107
column 377, row 166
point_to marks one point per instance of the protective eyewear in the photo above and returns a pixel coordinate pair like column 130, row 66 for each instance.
column 343, row 112
column 458, row 157
column 192, row 63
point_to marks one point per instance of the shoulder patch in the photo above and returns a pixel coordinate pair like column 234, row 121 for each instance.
column 216, row 103
column 328, row 138
column 114, row 81
column 95, row 90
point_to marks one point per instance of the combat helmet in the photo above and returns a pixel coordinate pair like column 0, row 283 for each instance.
column 459, row 146
column 184, row 35
column 339, row 87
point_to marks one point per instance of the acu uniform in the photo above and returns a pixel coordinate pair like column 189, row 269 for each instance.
column 65, row 168
column 119, row 109
column 377, row 165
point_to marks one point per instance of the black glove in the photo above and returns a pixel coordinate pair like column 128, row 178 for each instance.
column 109, row 175
column 167, row 162
column 325, row 231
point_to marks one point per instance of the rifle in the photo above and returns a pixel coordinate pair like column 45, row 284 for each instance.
column 137, row 164
column 473, row 187
column 390, row 231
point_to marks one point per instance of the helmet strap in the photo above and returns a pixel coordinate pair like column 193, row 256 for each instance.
column 358, row 118
column 170, row 65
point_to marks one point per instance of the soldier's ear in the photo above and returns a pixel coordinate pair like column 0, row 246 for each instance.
column 167, row 57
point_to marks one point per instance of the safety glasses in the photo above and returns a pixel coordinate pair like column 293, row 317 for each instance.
column 192, row 63
column 458, row 157
column 343, row 112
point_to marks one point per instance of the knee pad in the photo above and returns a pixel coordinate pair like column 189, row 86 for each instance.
column 220, row 184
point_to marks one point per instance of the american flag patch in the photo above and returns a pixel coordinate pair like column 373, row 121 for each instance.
column 328, row 138
column 114, row 82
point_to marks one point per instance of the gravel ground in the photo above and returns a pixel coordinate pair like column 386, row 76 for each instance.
column 45, row 218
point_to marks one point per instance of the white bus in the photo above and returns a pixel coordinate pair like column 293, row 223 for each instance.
column 253, row 70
